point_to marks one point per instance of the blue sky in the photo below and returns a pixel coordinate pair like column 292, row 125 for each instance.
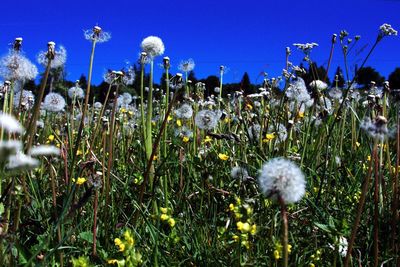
column 243, row 35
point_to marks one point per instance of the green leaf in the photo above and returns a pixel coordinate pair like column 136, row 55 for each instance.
column 87, row 236
column 1, row 208
column 323, row 227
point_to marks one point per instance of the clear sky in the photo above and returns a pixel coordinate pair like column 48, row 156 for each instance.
column 246, row 35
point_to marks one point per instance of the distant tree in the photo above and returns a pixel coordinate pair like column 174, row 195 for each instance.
column 192, row 77
column 314, row 73
column 30, row 85
column 211, row 82
column 367, row 74
column 83, row 82
column 394, row 79
column 340, row 77
column 245, row 84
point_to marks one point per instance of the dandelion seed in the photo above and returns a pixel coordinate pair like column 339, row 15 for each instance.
column 10, row 124
column 152, row 46
column 207, row 119
column 282, row 177
column 54, row 102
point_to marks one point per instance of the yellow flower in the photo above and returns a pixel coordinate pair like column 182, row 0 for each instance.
column 185, row 139
column 128, row 237
column 312, row 265
column 50, row 138
column 117, row 241
column 231, row 207
column 223, row 156
column 164, row 217
column 270, row 136
column 277, row 255
column 121, row 247
column 179, row 123
column 169, row 118
column 171, row 222
column 79, row 181
column 79, row 152
column 250, row 107
column 112, row 261
column 122, row 110
column 246, row 244
column 357, row 144
column 243, row 227
column 369, row 158
column 289, row 248
column 235, row 238
column 164, row 210
column 301, row 114
column 119, row 244
column 207, row 139
column 155, row 157
column 253, row 230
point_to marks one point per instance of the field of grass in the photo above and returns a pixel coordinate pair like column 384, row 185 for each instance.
column 302, row 175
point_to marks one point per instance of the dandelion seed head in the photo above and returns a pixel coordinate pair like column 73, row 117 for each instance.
column 15, row 67
column 8, row 148
column 280, row 131
column 22, row 162
column 184, row 112
column 387, row 30
column 207, row 119
column 60, row 57
column 76, row 92
column 254, row 131
column 186, row 65
column 282, row 177
column 26, row 100
column 9, row 124
column 54, row 102
column 44, row 150
column 96, row 34
column 318, row 85
column 239, row 173
column 376, row 129
column 152, row 46
column 335, row 93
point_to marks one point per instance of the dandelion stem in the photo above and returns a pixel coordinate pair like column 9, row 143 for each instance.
column 356, row 223
column 285, row 231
